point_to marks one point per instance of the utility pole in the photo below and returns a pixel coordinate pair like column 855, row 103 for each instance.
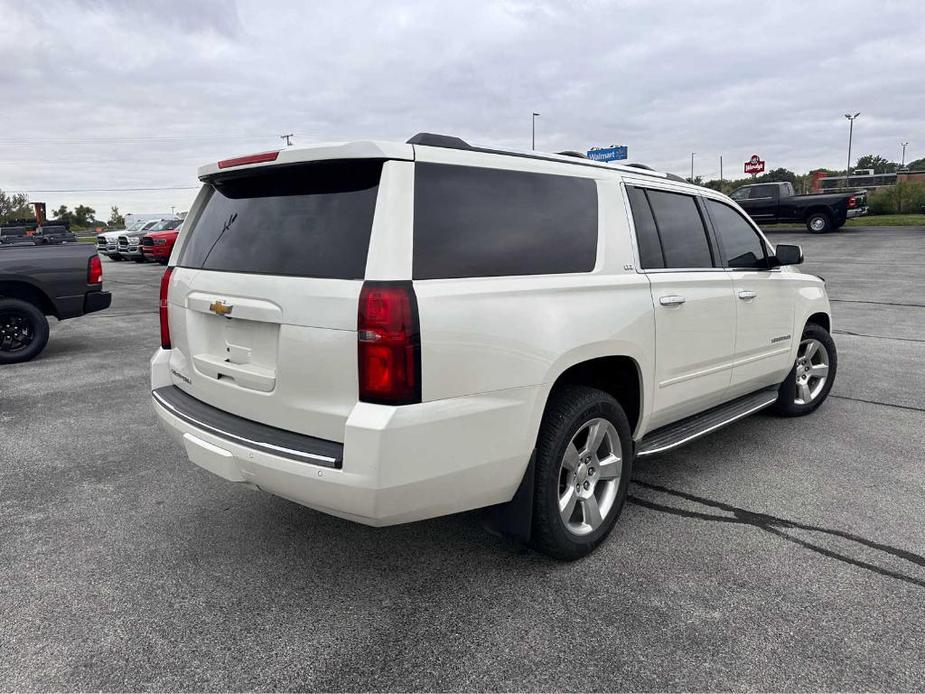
column 904, row 144
column 850, row 133
column 287, row 138
column 533, row 139
column 720, row 170
column 692, row 166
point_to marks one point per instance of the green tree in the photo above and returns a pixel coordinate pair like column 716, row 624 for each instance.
column 877, row 163
column 64, row 214
column 84, row 216
column 14, row 206
column 904, row 197
column 116, row 219
column 917, row 165
column 80, row 217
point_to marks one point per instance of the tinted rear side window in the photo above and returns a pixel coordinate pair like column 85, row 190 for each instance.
column 474, row 222
column 680, row 227
column 650, row 250
column 310, row 220
column 742, row 248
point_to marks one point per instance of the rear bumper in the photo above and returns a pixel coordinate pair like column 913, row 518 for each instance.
column 857, row 212
column 397, row 464
column 97, row 301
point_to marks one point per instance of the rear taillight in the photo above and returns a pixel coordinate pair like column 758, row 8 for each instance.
column 94, row 270
column 852, row 201
column 389, row 344
column 165, row 326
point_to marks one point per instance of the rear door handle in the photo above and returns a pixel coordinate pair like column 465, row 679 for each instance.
column 672, row 300
column 745, row 295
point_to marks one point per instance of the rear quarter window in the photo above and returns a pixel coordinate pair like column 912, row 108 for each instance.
column 477, row 222
column 308, row 220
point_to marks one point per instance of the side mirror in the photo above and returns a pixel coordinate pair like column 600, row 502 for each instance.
column 786, row 254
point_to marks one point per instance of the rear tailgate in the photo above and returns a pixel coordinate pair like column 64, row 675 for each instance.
column 263, row 301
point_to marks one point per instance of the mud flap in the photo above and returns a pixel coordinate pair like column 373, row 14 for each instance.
column 515, row 518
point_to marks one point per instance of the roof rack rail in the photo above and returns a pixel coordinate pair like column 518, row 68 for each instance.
column 572, row 153
column 434, row 140
column 452, row 142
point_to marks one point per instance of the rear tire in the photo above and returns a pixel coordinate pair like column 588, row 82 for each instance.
column 811, row 378
column 818, row 223
column 584, row 458
column 23, row 331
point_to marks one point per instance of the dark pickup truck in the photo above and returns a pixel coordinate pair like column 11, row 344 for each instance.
column 776, row 203
column 61, row 280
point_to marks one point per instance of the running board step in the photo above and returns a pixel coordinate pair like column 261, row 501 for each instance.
column 679, row 433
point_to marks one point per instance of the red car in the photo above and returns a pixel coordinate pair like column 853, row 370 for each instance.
column 157, row 245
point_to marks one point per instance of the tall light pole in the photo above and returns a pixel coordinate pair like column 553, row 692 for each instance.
column 904, row 144
column 850, row 133
column 533, row 139
column 692, row 166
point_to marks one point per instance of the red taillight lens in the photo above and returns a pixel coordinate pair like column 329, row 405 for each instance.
column 852, row 201
column 94, row 270
column 389, row 344
column 165, row 326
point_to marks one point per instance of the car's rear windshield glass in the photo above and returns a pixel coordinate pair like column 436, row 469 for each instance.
column 309, row 220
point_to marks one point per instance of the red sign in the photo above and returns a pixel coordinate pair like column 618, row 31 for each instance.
column 754, row 165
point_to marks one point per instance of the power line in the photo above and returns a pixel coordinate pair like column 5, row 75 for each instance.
column 106, row 190
column 129, row 138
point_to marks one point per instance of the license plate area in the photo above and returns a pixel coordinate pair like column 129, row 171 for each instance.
column 237, row 348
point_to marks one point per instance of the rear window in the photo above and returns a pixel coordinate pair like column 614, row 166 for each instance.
column 475, row 222
column 310, row 220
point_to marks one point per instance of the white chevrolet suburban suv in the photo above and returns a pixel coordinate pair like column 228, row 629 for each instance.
column 390, row 332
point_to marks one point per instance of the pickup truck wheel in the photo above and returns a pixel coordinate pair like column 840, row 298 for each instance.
column 142, row 259
column 115, row 258
column 811, row 378
column 818, row 223
column 23, row 331
column 584, row 459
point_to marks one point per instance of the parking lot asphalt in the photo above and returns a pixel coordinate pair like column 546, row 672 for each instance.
column 775, row 554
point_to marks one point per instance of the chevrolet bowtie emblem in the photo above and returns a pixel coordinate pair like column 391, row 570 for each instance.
column 220, row 308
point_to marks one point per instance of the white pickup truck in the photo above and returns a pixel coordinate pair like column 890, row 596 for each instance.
column 394, row 331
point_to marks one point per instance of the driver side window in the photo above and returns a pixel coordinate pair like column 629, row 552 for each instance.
column 742, row 247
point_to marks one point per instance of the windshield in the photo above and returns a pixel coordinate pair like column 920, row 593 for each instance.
column 166, row 225
column 136, row 226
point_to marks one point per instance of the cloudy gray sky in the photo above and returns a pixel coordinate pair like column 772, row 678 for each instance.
column 137, row 94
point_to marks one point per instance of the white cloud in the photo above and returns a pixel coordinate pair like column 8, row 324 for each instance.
column 183, row 83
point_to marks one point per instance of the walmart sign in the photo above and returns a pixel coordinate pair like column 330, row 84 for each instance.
column 607, row 153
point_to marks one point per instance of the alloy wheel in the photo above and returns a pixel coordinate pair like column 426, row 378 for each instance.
column 589, row 476
column 812, row 371
column 16, row 332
